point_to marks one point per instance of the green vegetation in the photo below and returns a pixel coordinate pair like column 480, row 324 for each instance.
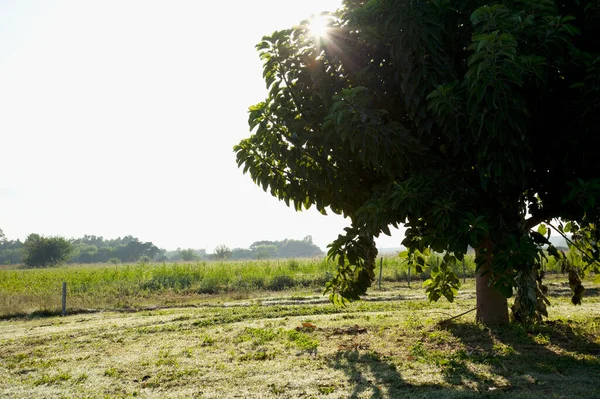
column 471, row 122
column 134, row 285
column 126, row 285
column 11, row 251
column 41, row 251
column 287, row 345
column 44, row 251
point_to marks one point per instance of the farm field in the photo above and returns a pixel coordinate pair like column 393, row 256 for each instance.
column 139, row 285
column 229, row 345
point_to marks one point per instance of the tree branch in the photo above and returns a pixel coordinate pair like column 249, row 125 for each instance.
column 446, row 321
column 570, row 242
column 539, row 217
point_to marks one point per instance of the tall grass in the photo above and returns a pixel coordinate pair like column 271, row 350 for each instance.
column 92, row 286
column 24, row 291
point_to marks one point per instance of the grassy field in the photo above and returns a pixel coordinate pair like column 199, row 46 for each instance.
column 387, row 346
column 24, row 291
column 31, row 291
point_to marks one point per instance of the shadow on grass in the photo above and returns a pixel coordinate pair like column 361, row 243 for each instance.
column 368, row 373
column 42, row 314
column 372, row 376
column 553, row 360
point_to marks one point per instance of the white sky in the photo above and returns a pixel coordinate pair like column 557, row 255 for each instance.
column 118, row 117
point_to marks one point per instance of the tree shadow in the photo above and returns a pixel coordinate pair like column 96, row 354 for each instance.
column 368, row 373
column 553, row 359
column 373, row 376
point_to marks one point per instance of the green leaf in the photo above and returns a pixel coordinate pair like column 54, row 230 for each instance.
column 542, row 229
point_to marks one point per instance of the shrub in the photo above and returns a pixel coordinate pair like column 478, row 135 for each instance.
column 42, row 251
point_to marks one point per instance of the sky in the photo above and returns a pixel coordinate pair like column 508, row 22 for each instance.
column 118, row 117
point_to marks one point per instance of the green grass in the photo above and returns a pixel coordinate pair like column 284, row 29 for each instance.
column 37, row 292
column 388, row 346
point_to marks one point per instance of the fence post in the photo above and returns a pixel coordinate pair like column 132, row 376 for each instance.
column 408, row 275
column 464, row 272
column 64, row 298
column 380, row 270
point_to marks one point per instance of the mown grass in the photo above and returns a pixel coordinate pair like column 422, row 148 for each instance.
column 389, row 346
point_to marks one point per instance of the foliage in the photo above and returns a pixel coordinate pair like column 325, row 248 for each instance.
column 469, row 121
column 39, row 251
column 222, row 252
column 95, row 249
column 242, row 253
column 288, row 248
column 133, row 284
column 11, row 251
column 189, row 255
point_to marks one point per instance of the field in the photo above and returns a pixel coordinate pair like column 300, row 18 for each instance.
column 25, row 291
column 251, row 342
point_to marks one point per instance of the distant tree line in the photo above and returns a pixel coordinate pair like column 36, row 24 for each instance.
column 287, row 248
column 40, row 251
column 11, row 251
column 278, row 249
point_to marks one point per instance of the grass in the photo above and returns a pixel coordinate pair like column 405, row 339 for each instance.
column 37, row 292
column 388, row 346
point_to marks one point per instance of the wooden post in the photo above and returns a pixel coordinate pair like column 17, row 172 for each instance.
column 409, row 275
column 64, row 298
column 464, row 271
column 380, row 270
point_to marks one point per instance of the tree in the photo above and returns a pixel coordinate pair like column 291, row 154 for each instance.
column 241, row 253
column 222, row 252
column 188, row 255
column 11, row 251
column 265, row 251
column 470, row 121
column 297, row 248
column 39, row 251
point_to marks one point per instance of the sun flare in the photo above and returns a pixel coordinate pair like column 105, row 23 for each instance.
column 318, row 26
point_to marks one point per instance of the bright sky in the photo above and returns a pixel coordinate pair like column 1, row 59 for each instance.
column 118, row 117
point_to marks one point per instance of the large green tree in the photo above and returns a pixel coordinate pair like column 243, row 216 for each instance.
column 470, row 121
column 40, row 251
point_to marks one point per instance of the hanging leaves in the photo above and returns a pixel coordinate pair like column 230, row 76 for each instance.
column 441, row 115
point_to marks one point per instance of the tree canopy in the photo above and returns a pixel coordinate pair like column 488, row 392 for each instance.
column 40, row 251
column 470, row 121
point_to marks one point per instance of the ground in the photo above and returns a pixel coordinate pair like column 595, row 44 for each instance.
column 387, row 346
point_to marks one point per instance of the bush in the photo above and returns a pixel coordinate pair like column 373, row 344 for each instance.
column 39, row 251
column 280, row 283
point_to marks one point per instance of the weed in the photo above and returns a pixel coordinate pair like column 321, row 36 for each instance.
column 112, row 372
column 293, row 265
column 206, row 340
column 257, row 336
column 418, row 350
column 280, row 283
column 503, row 349
column 165, row 358
column 301, row 340
column 541, row 339
column 259, row 355
column 47, row 379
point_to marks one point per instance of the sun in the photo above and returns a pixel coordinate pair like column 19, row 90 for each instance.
column 318, row 26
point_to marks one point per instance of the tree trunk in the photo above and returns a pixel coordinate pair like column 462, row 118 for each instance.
column 492, row 307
